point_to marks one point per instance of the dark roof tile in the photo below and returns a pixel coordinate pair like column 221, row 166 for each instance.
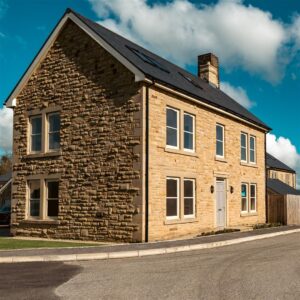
column 163, row 71
column 274, row 163
column 281, row 188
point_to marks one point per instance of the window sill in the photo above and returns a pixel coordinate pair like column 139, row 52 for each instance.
column 220, row 159
column 248, row 165
column 180, row 221
column 38, row 221
column 181, row 152
column 41, row 155
column 251, row 214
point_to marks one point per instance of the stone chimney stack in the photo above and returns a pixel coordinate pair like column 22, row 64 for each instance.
column 208, row 69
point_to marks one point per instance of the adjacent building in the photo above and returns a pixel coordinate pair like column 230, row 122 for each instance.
column 282, row 180
column 112, row 142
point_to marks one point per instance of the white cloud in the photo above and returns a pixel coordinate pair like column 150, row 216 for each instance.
column 6, row 124
column 238, row 94
column 241, row 35
column 283, row 149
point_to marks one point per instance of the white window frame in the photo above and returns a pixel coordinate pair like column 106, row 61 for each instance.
column 47, row 199
column 194, row 198
column 193, row 133
column 31, row 134
column 247, row 198
column 223, row 141
column 254, row 150
column 48, row 132
column 177, row 129
column 250, row 198
column 246, row 139
column 177, row 198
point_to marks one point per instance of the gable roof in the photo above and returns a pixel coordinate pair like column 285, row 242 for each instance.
column 153, row 67
column 281, row 188
column 274, row 163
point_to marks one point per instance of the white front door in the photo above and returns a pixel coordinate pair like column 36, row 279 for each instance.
column 221, row 203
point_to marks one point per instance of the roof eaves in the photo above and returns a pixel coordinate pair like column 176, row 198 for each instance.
column 201, row 99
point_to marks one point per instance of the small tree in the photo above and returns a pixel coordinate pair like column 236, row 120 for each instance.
column 5, row 164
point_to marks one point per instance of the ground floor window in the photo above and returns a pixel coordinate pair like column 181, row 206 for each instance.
column 189, row 198
column 34, row 198
column 180, row 193
column 43, row 198
column 52, row 198
column 252, row 197
column 172, row 198
column 248, row 198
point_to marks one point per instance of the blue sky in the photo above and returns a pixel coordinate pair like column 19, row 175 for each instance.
column 257, row 42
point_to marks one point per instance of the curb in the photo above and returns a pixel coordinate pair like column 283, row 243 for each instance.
column 139, row 253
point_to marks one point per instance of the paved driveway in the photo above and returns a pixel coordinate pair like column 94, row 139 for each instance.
column 265, row 269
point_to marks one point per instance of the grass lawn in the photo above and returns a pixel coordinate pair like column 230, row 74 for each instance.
column 11, row 244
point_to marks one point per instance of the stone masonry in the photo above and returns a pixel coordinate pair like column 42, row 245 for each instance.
column 99, row 163
column 203, row 166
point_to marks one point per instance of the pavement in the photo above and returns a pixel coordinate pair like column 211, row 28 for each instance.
column 141, row 249
column 263, row 269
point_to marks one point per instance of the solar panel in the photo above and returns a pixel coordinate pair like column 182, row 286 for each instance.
column 191, row 81
column 148, row 59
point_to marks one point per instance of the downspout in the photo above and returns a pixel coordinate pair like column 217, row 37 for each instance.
column 147, row 168
column 147, row 164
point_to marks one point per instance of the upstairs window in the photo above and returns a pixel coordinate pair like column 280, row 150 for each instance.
column 189, row 125
column 36, row 134
column 244, row 147
column 252, row 149
column 220, row 140
column 34, row 198
column 172, row 128
column 53, row 131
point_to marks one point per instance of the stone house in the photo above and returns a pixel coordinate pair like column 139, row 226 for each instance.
column 112, row 142
column 282, row 180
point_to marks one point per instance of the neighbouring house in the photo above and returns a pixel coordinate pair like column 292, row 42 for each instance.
column 283, row 199
column 112, row 142
column 5, row 189
column 276, row 169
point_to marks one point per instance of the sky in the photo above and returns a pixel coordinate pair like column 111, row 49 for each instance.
column 257, row 42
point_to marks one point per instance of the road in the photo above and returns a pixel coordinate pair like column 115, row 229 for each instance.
column 264, row 269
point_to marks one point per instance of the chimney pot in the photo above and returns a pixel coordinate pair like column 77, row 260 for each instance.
column 208, row 68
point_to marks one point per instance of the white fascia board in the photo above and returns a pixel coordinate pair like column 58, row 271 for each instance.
column 139, row 76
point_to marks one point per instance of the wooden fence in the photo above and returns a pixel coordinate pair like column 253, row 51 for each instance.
column 284, row 209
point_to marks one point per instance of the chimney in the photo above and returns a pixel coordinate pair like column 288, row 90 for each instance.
column 208, row 69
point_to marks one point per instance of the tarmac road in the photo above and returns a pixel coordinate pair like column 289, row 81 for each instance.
column 264, row 269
